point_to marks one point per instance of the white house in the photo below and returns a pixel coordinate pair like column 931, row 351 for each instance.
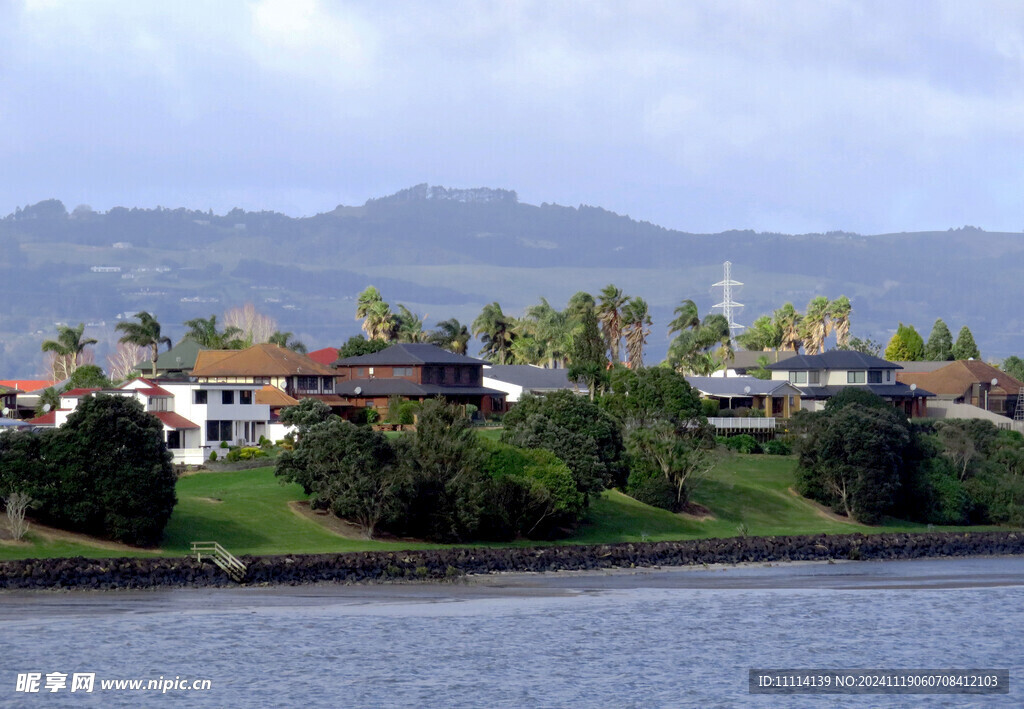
column 196, row 416
column 519, row 379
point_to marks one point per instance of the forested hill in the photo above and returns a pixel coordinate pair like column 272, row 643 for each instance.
column 447, row 252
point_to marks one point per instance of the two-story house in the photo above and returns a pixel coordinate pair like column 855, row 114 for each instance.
column 822, row 376
column 292, row 372
column 196, row 416
column 414, row 372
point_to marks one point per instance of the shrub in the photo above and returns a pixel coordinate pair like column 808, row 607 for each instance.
column 777, row 446
column 372, row 416
column 651, row 487
column 709, row 407
column 213, row 456
column 407, row 412
column 224, row 444
column 743, row 443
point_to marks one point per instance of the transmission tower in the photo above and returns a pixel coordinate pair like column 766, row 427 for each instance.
column 728, row 305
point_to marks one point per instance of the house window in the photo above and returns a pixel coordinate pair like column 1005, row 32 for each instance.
column 245, row 397
column 199, row 396
column 458, row 375
column 426, row 373
column 874, row 377
column 157, row 403
column 814, row 377
column 308, row 385
column 856, row 377
column 328, row 385
column 360, row 371
column 174, row 439
column 261, row 380
column 798, row 377
column 402, row 371
column 888, row 375
column 218, row 430
column 227, row 397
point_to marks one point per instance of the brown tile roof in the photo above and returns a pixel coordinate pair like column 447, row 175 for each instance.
column 265, row 360
column 274, row 397
column 957, row 378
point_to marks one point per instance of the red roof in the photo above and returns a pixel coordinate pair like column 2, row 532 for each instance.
column 27, row 385
column 151, row 389
column 328, row 356
column 173, row 420
column 47, row 419
column 80, row 392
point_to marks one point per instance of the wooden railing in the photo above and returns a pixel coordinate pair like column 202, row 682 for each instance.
column 742, row 423
column 228, row 562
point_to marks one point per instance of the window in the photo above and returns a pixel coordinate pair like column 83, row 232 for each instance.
column 157, row 403
column 199, row 396
column 174, row 439
column 360, row 371
column 245, row 397
column 308, row 385
column 261, row 380
column 888, row 375
column 218, row 430
column 227, row 397
column 874, row 377
column 814, row 377
column 402, row 371
column 328, row 385
column 426, row 373
column 458, row 375
column 856, row 377
column 798, row 377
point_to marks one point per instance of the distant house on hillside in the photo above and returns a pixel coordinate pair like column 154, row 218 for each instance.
column 414, row 372
column 519, row 379
column 822, row 376
column 773, row 397
column 969, row 382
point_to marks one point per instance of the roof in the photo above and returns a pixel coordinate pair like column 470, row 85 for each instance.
column 13, row 423
column 406, row 354
column 325, row 356
column 530, row 377
column 833, row 359
column 152, row 389
column 886, row 391
column 747, row 359
column 272, row 396
column 404, row 387
column 182, row 356
column 956, row 378
column 27, row 385
column 742, row 386
column 925, row 366
column 9, row 390
column 74, row 393
column 173, row 420
column 263, row 360
column 47, row 419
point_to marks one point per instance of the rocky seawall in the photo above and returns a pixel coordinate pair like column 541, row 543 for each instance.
column 363, row 567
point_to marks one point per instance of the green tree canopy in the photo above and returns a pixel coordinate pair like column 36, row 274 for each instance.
column 358, row 345
column 905, row 346
column 588, row 361
column 939, row 347
column 1014, row 366
column 144, row 333
column 643, row 396
column 964, row 347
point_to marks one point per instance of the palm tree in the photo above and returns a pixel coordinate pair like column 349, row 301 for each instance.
column 686, row 318
column 284, row 339
column 815, row 327
column 145, row 333
column 205, row 332
column 636, row 320
column 788, row 320
column 379, row 323
column 409, row 326
column 609, row 312
column 67, row 349
column 551, row 330
column 839, row 313
column 690, row 351
column 764, row 334
column 451, row 335
column 496, row 332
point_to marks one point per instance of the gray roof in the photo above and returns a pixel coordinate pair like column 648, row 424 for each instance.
column 747, row 359
column 180, row 357
column 923, row 366
column 736, row 386
column 886, row 391
column 404, row 387
column 404, row 354
column 529, row 377
column 833, row 359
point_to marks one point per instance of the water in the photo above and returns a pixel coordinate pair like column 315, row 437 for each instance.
column 648, row 639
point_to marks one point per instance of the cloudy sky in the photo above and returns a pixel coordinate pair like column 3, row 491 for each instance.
column 702, row 116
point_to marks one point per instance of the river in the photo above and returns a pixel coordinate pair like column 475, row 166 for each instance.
column 643, row 638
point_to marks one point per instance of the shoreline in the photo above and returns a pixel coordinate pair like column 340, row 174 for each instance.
column 455, row 564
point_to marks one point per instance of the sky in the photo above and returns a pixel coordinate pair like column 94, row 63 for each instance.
column 791, row 117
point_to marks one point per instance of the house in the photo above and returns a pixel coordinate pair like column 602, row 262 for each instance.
column 820, row 377
column 970, row 382
column 178, row 360
column 744, row 360
column 196, row 416
column 326, row 356
column 773, row 397
column 9, row 400
column 414, row 372
column 27, row 396
column 519, row 379
column 292, row 372
column 277, row 400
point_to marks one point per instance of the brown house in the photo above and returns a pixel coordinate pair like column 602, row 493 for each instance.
column 969, row 381
column 414, row 372
column 292, row 372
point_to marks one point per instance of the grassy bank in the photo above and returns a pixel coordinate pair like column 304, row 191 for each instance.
column 248, row 512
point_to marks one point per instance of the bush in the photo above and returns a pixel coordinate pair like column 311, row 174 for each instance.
column 213, row 456
column 709, row 407
column 651, row 487
column 407, row 412
column 224, row 444
column 372, row 416
column 743, row 443
column 777, row 446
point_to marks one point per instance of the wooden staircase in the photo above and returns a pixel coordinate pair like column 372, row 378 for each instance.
column 228, row 562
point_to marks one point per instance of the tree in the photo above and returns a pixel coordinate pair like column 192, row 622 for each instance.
column 544, row 336
column 609, row 312
column 358, row 345
column 815, row 325
column 88, row 376
column 1014, row 366
column 284, row 339
column 347, row 469
column 205, row 332
column 643, row 396
column 379, row 322
column 408, row 326
column 636, row 320
column 145, row 333
column 964, row 347
column 106, row 472
column 451, row 335
column 16, row 504
column 839, row 316
column 866, row 346
column 679, row 455
column 306, row 414
column 496, row 332
column 939, row 347
column 905, row 346
column 67, row 350
column 789, row 320
column 254, row 327
column 588, row 359
column 49, row 400
column 764, row 334
column 124, row 360
column 691, row 351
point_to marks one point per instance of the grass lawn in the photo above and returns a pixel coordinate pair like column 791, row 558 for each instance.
column 247, row 511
